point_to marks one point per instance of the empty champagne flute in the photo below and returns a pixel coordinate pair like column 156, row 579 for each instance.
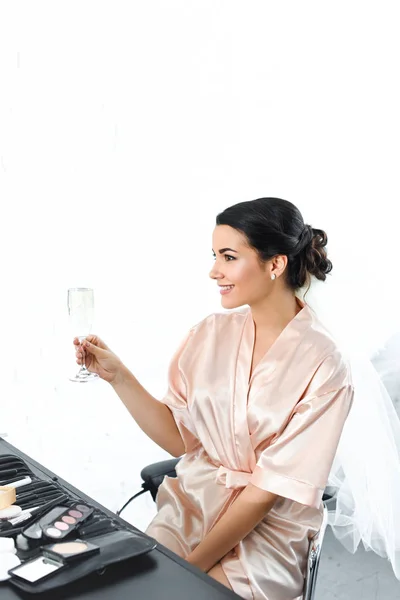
column 81, row 315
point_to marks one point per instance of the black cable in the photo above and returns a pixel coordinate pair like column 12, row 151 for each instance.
column 145, row 489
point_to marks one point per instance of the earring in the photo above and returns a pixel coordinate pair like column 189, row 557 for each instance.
column 273, row 276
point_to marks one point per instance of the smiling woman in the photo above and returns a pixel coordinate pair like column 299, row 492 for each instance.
column 257, row 400
column 248, row 493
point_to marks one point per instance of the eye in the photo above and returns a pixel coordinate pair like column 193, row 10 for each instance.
column 228, row 257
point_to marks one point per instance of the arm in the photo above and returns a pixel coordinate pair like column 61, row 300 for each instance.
column 249, row 508
column 152, row 416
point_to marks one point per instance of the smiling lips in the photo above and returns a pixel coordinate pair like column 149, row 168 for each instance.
column 225, row 289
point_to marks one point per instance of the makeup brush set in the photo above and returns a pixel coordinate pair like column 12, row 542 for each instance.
column 49, row 538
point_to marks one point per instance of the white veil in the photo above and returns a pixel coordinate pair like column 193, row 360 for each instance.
column 365, row 476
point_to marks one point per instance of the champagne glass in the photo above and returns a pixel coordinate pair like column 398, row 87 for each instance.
column 81, row 315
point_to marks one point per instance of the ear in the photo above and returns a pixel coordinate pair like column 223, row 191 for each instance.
column 278, row 264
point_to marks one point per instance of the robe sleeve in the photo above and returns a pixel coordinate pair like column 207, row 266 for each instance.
column 296, row 465
column 176, row 397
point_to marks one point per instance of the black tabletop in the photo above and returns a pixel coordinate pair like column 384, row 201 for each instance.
column 159, row 574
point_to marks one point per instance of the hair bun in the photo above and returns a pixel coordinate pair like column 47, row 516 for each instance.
column 305, row 238
column 316, row 258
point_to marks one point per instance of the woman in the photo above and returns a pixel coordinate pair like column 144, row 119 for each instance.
column 257, row 401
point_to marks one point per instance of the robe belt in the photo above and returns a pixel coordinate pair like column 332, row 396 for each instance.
column 233, row 479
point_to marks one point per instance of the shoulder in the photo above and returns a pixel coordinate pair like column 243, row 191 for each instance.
column 333, row 367
column 216, row 322
column 331, row 362
column 335, row 370
column 206, row 335
column 322, row 340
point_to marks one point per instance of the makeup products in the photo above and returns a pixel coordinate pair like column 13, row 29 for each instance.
column 97, row 527
column 14, row 479
column 12, row 524
column 10, row 512
column 33, row 486
column 10, row 460
column 53, row 558
column 31, row 535
column 24, row 516
column 7, row 545
column 45, row 502
column 67, row 522
column 8, row 473
column 7, row 496
column 6, row 457
column 37, row 569
column 21, row 482
column 8, row 558
column 12, row 469
column 67, row 552
column 35, row 531
column 8, row 561
column 30, row 499
column 59, row 522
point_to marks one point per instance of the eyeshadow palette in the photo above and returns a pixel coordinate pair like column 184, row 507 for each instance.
column 35, row 531
column 66, row 522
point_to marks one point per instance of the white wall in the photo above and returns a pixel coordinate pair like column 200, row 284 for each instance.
column 124, row 128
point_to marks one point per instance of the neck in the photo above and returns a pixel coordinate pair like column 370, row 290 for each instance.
column 275, row 311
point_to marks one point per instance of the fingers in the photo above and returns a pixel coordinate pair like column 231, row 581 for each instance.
column 93, row 339
column 94, row 349
column 80, row 355
column 96, row 341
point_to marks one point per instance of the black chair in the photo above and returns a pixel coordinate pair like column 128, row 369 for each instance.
column 153, row 476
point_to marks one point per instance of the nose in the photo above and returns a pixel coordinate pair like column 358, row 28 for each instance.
column 214, row 273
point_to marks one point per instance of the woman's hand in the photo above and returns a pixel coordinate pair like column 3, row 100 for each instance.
column 98, row 358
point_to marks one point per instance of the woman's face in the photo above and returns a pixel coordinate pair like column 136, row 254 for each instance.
column 237, row 267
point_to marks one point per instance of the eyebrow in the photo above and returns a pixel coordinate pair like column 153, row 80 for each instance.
column 226, row 250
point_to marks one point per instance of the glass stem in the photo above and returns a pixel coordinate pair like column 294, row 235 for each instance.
column 83, row 365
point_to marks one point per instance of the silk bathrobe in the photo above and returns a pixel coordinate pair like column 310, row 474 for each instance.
column 279, row 431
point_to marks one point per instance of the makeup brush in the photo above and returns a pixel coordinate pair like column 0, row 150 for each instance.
column 36, row 485
column 9, row 473
column 12, row 479
column 37, row 501
column 11, row 463
column 20, row 482
column 9, row 457
column 97, row 528
column 39, row 494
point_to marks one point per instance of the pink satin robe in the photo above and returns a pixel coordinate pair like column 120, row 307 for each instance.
column 279, row 431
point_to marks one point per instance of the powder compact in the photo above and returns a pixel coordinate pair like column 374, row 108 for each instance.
column 67, row 552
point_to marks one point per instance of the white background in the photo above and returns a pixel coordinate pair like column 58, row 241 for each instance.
column 125, row 127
